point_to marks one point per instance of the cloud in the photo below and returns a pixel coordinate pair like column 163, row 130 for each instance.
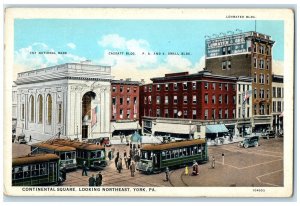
column 141, row 65
column 277, row 67
column 113, row 40
column 71, row 45
column 25, row 60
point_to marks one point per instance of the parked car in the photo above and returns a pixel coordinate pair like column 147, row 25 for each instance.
column 268, row 134
column 250, row 141
column 21, row 139
column 106, row 142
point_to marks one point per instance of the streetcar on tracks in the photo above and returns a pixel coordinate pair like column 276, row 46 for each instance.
column 93, row 154
column 66, row 154
column 36, row 170
column 157, row 157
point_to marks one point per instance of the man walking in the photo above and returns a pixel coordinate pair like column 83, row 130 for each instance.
column 132, row 168
column 119, row 166
column 84, row 169
column 116, row 161
column 213, row 162
column 129, row 162
column 167, row 174
column 99, row 179
column 92, row 181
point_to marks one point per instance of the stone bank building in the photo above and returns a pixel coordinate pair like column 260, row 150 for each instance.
column 72, row 99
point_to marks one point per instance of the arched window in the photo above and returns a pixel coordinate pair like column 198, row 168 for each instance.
column 31, row 99
column 40, row 102
column 49, row 109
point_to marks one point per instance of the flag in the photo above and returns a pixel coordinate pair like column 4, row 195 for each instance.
column 134, row 108
column 114, row 109
column 94, row 116
column 247, row 95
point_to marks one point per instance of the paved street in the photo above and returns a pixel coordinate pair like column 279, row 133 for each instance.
column 254, row 166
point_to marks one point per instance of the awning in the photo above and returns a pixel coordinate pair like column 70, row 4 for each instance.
column 175, row 128
column 216, row 128
column 125, row 126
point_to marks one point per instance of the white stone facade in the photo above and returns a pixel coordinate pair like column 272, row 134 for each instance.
column 49, row 101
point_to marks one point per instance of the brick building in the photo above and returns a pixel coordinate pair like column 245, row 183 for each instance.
column 125, row 106
column 180, row 103
column 246, row 54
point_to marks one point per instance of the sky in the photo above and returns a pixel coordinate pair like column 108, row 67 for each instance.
column 95, row 39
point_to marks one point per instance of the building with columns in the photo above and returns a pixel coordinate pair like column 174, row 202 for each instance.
column 71, row 99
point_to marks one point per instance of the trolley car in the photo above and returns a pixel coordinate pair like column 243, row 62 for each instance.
column 156, row 158
column 66, row 154
column 93, row 154
column 35, row 170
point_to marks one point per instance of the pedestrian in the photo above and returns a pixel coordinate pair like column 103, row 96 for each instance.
column 213, row 162
column 132, row 168
column 116, row 161
column 92, row 181
column 109, row 155
column 84, row 169
column 64, row 173
column 125, row 154
column 30, row 138
column 167, row 174
column 186, row 170
column 118, row 154
column 99, row 179
column 195, row 168
column 120, row 165
column 128, row 161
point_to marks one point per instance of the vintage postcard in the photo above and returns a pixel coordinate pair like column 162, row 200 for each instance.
column 149, row 102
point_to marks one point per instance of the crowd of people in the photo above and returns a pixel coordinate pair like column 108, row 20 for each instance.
column 128, row 160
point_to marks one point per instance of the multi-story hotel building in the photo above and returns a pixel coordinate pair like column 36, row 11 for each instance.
column 277, row 101
column 180, row 104
column 125, row 106
column 246, row 54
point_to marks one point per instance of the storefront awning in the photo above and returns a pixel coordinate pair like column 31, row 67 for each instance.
column 174, row 128
column 216, row 128
column 125, row 126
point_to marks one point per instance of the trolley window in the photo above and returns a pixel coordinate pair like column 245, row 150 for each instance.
column 163, row 155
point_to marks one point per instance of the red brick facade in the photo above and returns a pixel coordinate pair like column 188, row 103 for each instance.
column 183, row 95
column 125, row 100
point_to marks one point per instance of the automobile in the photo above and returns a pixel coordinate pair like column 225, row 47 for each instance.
column 14, row 136
column 105, row 141
column 268, row 134
column 21, row 139
column 250, row 141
